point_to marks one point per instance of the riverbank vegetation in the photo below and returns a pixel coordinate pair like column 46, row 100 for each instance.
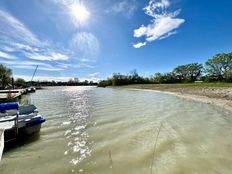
column 8, row 82
column 5, row 77
column 71, row 82
column 215, row 71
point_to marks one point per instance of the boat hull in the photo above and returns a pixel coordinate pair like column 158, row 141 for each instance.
column 30, row 128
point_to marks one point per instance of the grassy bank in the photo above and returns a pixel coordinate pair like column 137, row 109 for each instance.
column 179, row 85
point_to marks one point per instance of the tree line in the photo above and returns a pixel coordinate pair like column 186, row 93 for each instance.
column 216, row 69
column 8, row 82
column 71, row 82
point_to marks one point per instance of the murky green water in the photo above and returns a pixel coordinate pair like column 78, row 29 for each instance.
column 103, row 131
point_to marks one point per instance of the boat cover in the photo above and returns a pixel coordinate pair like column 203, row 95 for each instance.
column 9, row 106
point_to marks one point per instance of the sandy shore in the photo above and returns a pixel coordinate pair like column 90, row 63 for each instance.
column 219, row 96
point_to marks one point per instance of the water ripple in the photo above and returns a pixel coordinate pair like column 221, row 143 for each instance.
column 103, row 131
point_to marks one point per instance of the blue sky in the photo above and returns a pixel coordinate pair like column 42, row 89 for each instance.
column 91, row 39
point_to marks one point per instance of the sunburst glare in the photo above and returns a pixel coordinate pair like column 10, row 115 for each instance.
column 79, row 12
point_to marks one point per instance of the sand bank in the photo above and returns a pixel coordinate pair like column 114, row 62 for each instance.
column 219, row 96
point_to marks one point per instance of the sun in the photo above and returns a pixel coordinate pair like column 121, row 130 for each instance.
column 79, row 12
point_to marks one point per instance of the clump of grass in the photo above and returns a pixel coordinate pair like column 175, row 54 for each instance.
column 154, row 150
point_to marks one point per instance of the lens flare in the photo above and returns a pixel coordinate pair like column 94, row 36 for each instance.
column 79, row 12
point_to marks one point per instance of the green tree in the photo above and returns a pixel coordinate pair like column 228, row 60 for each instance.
column 219, row 67
column 158, row 78
column 168, row 78
column 188, row 72
column 194, row 71
column 5, row 76
column 86, row 82
column 19, row 82
column 181, row 72
column 134, row 77
column 119, row 79
column 104, row 83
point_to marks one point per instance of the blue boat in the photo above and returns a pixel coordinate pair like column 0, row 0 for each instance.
column 19, row 121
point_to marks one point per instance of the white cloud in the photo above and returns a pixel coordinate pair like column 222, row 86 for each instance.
column 15, row 46
column 157, row 8
column 6, row 55
column 86, row 46
column 40, row 68
column 45, row 78
column 7, row 49
column 63, row 65
column 12, row 28
column 31, row 65
column 49, row 56
column 83, row 65
column 124, row 7
column 168, row 35
column 96, row 74
column 162, row 25
column 140, row 44
column 16, row 37
column 18, row 62
column 20, row 46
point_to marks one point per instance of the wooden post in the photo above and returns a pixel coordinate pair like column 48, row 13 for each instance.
column 12, row 79
column 17, row 124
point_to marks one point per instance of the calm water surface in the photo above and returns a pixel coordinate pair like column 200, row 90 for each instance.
column 101, row 131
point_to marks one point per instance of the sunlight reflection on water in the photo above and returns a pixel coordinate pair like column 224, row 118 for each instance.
column 78, row 144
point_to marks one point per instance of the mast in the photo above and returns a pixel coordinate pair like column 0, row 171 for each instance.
column 34, row 73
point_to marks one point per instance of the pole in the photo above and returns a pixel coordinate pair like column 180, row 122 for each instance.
column 34, row 73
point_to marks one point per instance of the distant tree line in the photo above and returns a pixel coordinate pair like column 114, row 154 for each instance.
column 8, row 82
column 69, row 83
column 216, row 69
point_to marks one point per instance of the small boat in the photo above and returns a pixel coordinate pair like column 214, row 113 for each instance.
column 30, row 89
column 19, row 121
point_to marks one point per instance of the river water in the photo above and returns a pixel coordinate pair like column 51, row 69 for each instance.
column 102, row 131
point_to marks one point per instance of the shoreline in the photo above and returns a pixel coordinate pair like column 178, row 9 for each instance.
column 200, row 95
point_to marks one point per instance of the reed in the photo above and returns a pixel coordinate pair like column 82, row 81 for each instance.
column 154, row 150
column 110, row 159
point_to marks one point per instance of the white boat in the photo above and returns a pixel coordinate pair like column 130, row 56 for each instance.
column 19, row 121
